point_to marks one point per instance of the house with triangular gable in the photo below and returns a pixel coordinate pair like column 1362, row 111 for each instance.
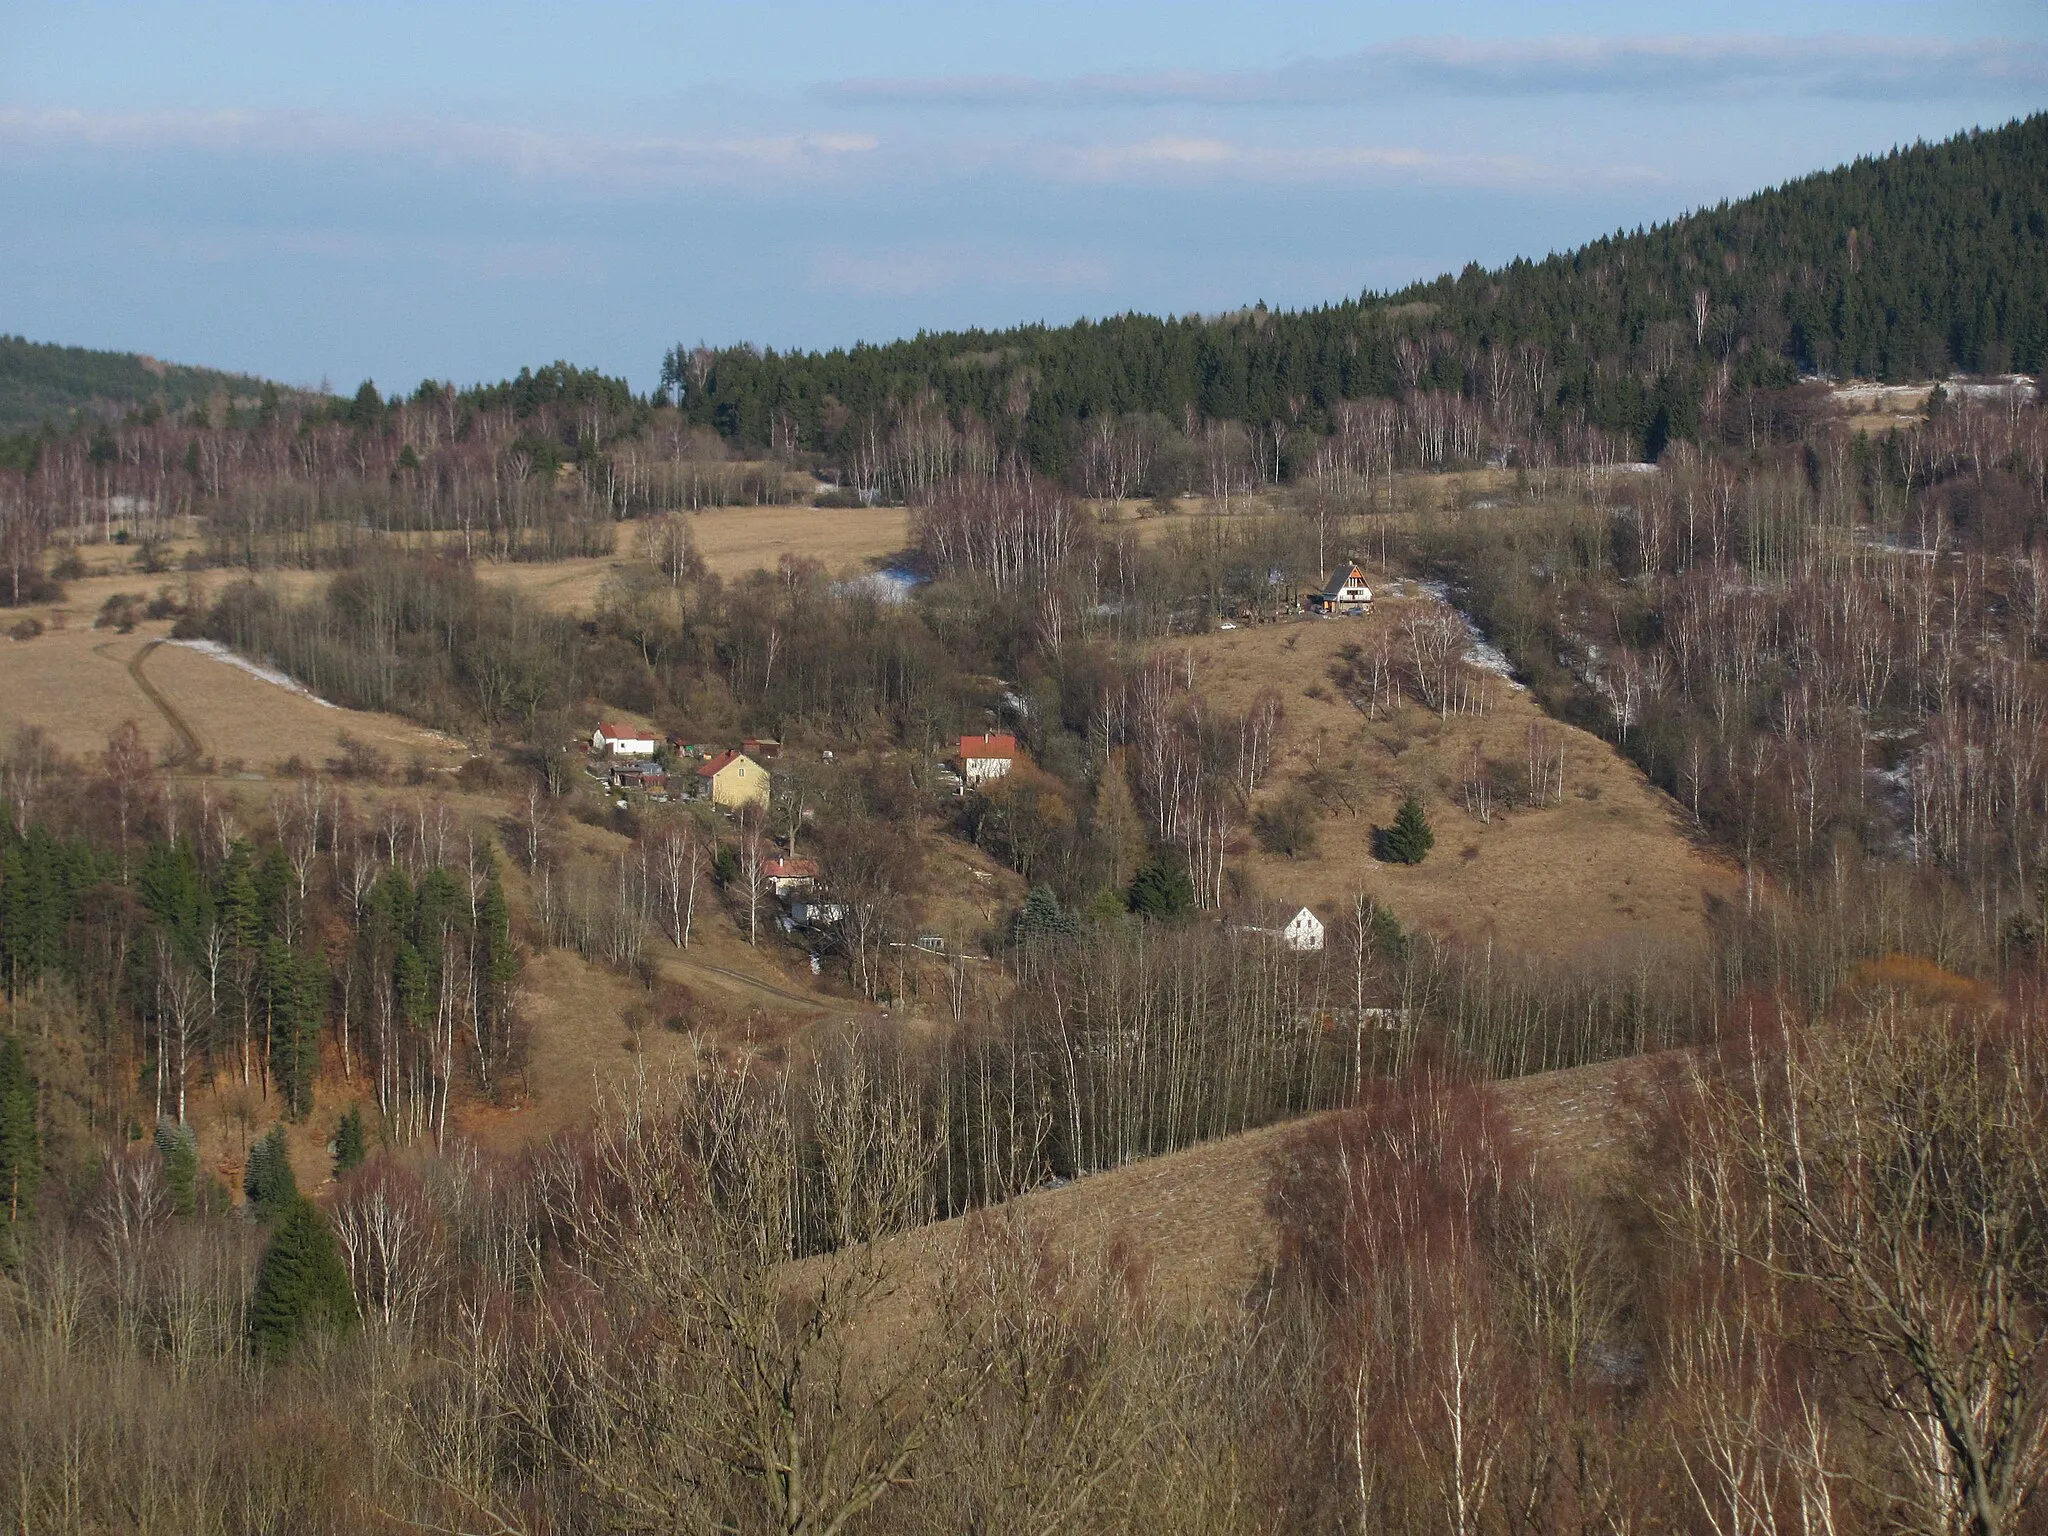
column 1344, row 590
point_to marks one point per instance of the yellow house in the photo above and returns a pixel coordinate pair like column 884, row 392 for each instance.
column 732, row 779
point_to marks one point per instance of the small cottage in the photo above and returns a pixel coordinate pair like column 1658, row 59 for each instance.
column 986, row 757
column 731, row 780
column 621, row 740
column 1343, row 591
column 789, row 876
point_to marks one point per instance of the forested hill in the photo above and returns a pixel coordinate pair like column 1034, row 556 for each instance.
column 41, row 381
column 1927, row 260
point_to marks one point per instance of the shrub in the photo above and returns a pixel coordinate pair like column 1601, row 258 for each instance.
column 121, row 612
column 1287, row 826
column 358, row 760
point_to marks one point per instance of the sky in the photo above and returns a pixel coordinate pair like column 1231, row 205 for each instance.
column 357, row 189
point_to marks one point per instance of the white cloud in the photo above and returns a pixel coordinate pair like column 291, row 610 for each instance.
column 1177, row 159
column 1880, row 68
column 521, row 152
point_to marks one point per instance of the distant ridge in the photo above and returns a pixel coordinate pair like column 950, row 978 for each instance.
column 1927, row 260
column 45, row 381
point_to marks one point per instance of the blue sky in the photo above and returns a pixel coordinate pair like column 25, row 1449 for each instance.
column 342, row 190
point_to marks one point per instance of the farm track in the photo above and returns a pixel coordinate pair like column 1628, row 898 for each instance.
column 817, row 1004
column 188, row 739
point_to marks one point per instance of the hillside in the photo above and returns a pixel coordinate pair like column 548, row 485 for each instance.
column 1923, row 261
column 1194, row 1229
column 1600, row 865
column 42, row 381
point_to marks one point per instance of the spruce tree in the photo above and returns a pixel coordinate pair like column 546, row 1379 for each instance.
column 1409, row 839
column 1162, row 889
column 21, row 1152
column 294, row 985
column 268, row 1180
column 350, row 1147
column 302, row 1287
column 178, row 1146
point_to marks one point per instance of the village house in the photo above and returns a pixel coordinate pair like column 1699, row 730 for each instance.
column 789, row 876
column 1344, row 591
column 1303, row 933
column 762, row 749
column 622, row 740
column 731, row 780
column 986, row 757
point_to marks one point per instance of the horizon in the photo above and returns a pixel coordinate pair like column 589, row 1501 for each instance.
column 287, row 191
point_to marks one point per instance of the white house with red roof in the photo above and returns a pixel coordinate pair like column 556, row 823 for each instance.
column 789, row 876
column 622, row 740
column 986, row 757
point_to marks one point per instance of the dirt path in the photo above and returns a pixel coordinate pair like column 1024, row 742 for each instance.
column 850, row 1012
column 188, row 739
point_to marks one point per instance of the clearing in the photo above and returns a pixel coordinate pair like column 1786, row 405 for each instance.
column 1609, row 868
column 733, row 541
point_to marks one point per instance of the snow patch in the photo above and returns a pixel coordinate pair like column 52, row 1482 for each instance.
column 1480, row 652
column 271, row 675
column 893, row 585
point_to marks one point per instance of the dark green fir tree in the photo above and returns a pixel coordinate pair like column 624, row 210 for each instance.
column 350, row 1145
column 302, row 1286
column 1162, row 890
column 1409, row 839
column 268, row 1180
column 178, row 1146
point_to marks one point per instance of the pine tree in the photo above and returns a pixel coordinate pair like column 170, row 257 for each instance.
column 1162, row 889
column 1409, row 839
column 21, row 1153
column 268, row 1180
column 350, row 1147
column 178, row 1146
column 302, row 1287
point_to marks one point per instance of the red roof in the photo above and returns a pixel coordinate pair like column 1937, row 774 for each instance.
column 711, row 765
column 988, row 746
column 623, row 732
column 791, row 869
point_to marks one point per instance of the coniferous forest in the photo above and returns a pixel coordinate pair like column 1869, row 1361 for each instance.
column 1928, row 260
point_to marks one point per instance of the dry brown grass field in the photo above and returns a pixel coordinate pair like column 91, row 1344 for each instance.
column 1610, row 868
column 1412, row 493
column 79, row 684
column 733, row 541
